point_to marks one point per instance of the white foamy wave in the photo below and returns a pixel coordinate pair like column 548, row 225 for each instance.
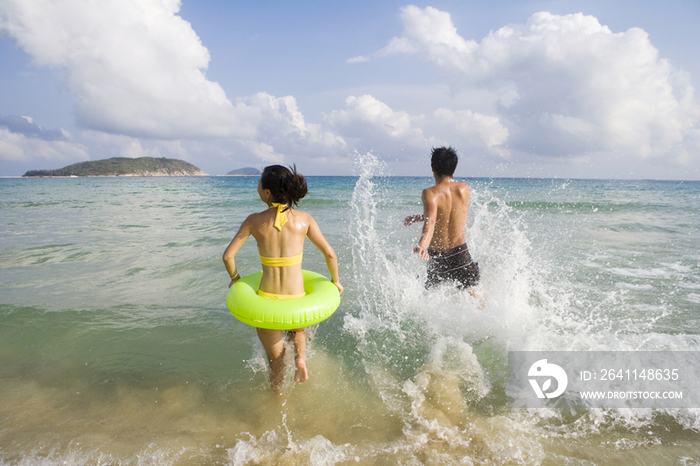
column 73, row 456
column 641, row 273
column 273, row 449
column 433, row 354
column 417, row 345
column 390, row 279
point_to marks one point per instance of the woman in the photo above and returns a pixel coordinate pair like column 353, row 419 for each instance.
column 280, row 231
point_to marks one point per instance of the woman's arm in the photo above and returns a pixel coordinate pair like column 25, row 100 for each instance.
column 232, row 249
column 320, row 242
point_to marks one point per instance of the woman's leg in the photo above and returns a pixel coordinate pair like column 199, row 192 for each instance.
column 273, row 342
column 299, row 339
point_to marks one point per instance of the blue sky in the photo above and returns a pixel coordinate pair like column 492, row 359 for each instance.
column 569, row 89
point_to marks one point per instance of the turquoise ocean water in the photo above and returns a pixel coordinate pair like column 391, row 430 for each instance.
column 116, row 346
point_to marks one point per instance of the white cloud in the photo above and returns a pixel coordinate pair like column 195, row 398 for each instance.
column 265, row 152
column 25, row 125
column 134, row 66
column 469, row 130
column 564, row 85
column 120, row 145
column 556, row 86
column 371, row 124
column 284, row 130
column 369, row 121
column 367, row 110
column 16, row 147
column 358, row 59
column 137, row 70
column 430, row 33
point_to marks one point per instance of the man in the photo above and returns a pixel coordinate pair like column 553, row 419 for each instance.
column 442, row 242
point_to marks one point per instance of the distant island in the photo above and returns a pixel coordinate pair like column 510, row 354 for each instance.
column 247, row 171
column 124, row 166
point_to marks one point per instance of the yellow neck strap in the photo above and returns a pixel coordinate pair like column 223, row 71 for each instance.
column 281, row 216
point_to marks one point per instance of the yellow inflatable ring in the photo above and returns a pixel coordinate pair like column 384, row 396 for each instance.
column 321, row 300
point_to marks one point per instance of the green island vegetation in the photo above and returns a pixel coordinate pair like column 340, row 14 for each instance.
column 123, row 166
column 247, row 171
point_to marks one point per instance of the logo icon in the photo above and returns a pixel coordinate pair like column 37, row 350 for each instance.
column 551, row 371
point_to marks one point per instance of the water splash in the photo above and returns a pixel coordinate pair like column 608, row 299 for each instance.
column 417, row 345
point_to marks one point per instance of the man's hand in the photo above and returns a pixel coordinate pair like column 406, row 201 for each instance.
column 411, row 219
column 422, row 253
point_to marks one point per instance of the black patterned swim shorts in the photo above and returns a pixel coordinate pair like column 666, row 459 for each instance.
column 455, row 265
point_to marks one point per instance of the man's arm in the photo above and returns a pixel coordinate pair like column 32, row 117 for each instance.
column 411, row 219
column 429, row 218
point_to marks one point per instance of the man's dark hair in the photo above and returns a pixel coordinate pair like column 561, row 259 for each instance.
column 444, row 161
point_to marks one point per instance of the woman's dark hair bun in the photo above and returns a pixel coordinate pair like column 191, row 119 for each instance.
column 286, row 185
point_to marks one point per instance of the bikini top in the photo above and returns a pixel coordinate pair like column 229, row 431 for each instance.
column 280, row 220
column 281, row 261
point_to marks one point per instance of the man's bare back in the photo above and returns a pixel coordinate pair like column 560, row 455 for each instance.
column 448, row 203
column 445, row 208
column 442, row 242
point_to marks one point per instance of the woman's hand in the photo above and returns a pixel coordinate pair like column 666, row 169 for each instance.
column 339, row 286
column 234, row 279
